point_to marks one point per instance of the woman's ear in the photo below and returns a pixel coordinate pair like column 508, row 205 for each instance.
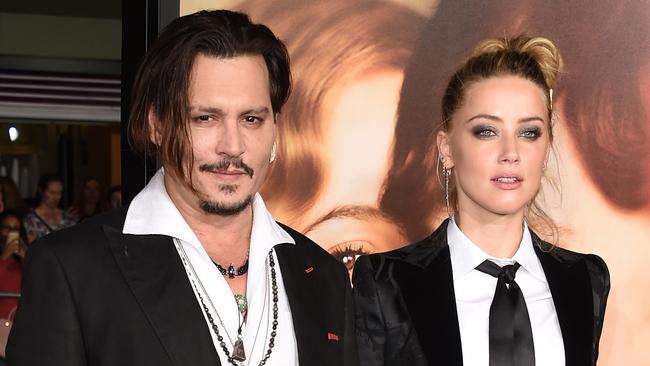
column 444, row 150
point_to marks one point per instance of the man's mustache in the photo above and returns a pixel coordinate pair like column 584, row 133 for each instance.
column 224, row 164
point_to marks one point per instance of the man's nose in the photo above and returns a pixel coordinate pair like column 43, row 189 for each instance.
column 231, row 142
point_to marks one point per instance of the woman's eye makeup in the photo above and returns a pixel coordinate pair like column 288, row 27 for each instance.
column 348, row 252
column 484, row 131
column 531, row 133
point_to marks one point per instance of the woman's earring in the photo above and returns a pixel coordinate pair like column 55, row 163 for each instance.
column 446, row 172
column 272, row 158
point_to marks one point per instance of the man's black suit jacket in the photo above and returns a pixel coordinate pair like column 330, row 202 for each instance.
column 94, row 296
column 406, row 307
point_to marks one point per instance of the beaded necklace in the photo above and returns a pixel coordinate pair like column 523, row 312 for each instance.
column 231, row 271
column 238, row 354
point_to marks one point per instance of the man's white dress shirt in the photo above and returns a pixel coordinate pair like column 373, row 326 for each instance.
column 474, row 291
column 153, row 212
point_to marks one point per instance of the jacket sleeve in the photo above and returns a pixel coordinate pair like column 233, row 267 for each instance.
column 599, row 275
column 46, row 330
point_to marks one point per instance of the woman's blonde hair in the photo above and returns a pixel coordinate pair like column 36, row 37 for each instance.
column 533, row 58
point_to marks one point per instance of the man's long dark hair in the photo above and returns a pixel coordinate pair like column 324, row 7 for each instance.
column 162, row 82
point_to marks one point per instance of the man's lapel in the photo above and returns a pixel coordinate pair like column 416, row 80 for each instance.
column 153, row 270
column 427, row 284
column 311, row 311
column 571, row 290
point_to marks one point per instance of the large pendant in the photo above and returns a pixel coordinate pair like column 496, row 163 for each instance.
column 238, row 353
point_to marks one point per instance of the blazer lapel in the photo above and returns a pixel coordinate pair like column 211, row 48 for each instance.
column 153, row 270
column 305, row 299
column 571, row 290
column 426, row 280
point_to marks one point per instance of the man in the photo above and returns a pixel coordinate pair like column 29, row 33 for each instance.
column 194, row 271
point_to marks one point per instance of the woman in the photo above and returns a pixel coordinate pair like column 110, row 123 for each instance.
column 602, row 143
column 483, row 289
column 12, row 252
column 47, row 216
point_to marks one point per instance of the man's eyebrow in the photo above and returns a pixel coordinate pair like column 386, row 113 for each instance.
column 210, row 110
column 261, row 110
column 220, row 113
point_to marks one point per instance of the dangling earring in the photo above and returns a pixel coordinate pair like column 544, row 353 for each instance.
column 272, row 158
column 446, row 173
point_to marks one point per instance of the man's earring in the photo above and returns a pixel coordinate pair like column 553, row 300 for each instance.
column 272, row 158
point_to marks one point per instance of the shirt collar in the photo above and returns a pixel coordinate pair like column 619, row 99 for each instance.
column 466, row 255
column 152, row 212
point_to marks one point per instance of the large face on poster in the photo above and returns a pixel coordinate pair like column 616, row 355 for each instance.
column 356, row 166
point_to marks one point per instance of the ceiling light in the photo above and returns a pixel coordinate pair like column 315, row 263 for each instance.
column 13, row 134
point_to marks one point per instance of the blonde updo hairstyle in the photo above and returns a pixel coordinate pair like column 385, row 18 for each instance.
column 533, row 58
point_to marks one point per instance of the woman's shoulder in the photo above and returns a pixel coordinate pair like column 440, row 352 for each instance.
column 595, row 264
column 31, row 219
column 563, row 253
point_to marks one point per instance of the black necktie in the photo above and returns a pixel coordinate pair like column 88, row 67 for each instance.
column 511, row 337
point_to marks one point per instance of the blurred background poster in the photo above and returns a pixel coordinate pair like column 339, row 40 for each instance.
column 354, row 169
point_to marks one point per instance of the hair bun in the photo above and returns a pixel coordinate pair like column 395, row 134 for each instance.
column 542, row 50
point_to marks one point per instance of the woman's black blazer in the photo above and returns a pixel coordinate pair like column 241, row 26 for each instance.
column 406, row 308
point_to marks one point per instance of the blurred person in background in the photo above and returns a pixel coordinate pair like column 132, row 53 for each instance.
column 12, row 253
column 11, row 195
column 47, row 216
column 88, row 200
column 113, row 198
column 12, row 249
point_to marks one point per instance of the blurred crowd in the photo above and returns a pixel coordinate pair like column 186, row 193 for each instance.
column 25, row 219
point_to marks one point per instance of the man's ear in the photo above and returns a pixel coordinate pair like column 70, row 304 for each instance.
column 154, row 125
column 444, row 149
